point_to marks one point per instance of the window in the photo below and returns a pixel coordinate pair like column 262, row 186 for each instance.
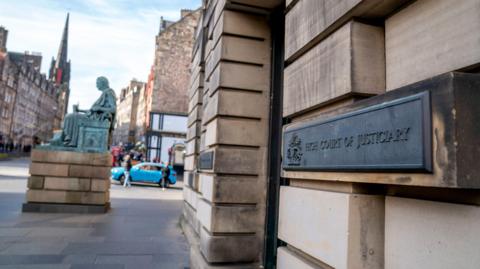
column 153, row 147
column 152, row 154
column 175, row 123
column 10, row 81
column 167, row 143
column 145, row 167
column 8, row 97
column 153, row 143
column 172, row 123
column 159, row 144
column 4, row 113
column 155, row 122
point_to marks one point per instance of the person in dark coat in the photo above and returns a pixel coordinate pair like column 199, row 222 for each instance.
column 165, row 175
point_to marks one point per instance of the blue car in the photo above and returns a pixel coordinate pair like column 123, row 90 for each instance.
column 145, row 172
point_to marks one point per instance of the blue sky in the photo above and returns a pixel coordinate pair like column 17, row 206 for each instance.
column 112, row 38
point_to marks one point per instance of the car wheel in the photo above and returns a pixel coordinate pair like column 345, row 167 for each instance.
column 122, row 179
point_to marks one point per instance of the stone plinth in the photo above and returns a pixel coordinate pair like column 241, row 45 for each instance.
column 68, row 182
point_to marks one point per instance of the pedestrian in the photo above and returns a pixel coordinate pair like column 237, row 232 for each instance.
column 126, row 172
column 120, row 158
column 165, row 175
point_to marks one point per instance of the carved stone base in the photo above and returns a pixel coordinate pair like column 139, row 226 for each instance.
column 68, row 182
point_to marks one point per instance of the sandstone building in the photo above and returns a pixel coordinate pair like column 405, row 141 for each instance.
column 31, row 105
column 166, row 94
column 334, row 134
column 129, row 119
column 30, row 102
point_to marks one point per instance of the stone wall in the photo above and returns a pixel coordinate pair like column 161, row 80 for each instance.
column 228, row 118
column 338, row 53
column 173, row 52
column 130, row 117
column 451, row 44
column 191, row 189
column 341, row 58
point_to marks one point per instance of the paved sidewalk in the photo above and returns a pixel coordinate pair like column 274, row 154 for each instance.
column 141, row 231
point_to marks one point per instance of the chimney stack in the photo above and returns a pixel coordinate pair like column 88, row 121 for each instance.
column 3, row 39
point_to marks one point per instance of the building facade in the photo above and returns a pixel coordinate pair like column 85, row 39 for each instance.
column 166, row 98
column 334, row 134
column 32, row 105
column 128, row 127
column 30, row 102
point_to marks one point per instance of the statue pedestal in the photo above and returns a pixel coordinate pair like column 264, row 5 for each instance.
column 68, row 182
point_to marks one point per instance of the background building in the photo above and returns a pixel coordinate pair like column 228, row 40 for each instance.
column 30, row 101
column 129, row 103
column 32, row 105
column 265, row 189
column 166, row 98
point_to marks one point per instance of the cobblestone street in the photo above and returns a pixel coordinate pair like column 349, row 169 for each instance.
column 140, row 231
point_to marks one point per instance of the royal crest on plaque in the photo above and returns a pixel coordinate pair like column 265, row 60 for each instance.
column 294, row 151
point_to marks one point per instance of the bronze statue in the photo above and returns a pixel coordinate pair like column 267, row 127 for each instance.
column 89, row 130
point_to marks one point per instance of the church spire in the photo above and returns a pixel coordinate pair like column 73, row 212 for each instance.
column 62, row 50
column 60, row 67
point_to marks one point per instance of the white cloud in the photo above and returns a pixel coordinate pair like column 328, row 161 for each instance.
column 113, row 40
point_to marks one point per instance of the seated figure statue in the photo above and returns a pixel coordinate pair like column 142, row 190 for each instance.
column 89, row 130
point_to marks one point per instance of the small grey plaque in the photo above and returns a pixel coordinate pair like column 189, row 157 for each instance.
column 395, row 135
column 205, row 161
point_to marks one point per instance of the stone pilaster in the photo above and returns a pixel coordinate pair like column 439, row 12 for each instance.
column 234, row 134
column 191, row 194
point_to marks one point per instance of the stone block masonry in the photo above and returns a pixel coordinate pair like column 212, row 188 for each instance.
column 173, row 56
column 68, row 182
column 454, row 101
column 233, row 139
column 430, row 234
column 429, row 38
column 382, row 75
column 304, row 28
column 195, row 91
column 349, row 62
column 342, row 230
